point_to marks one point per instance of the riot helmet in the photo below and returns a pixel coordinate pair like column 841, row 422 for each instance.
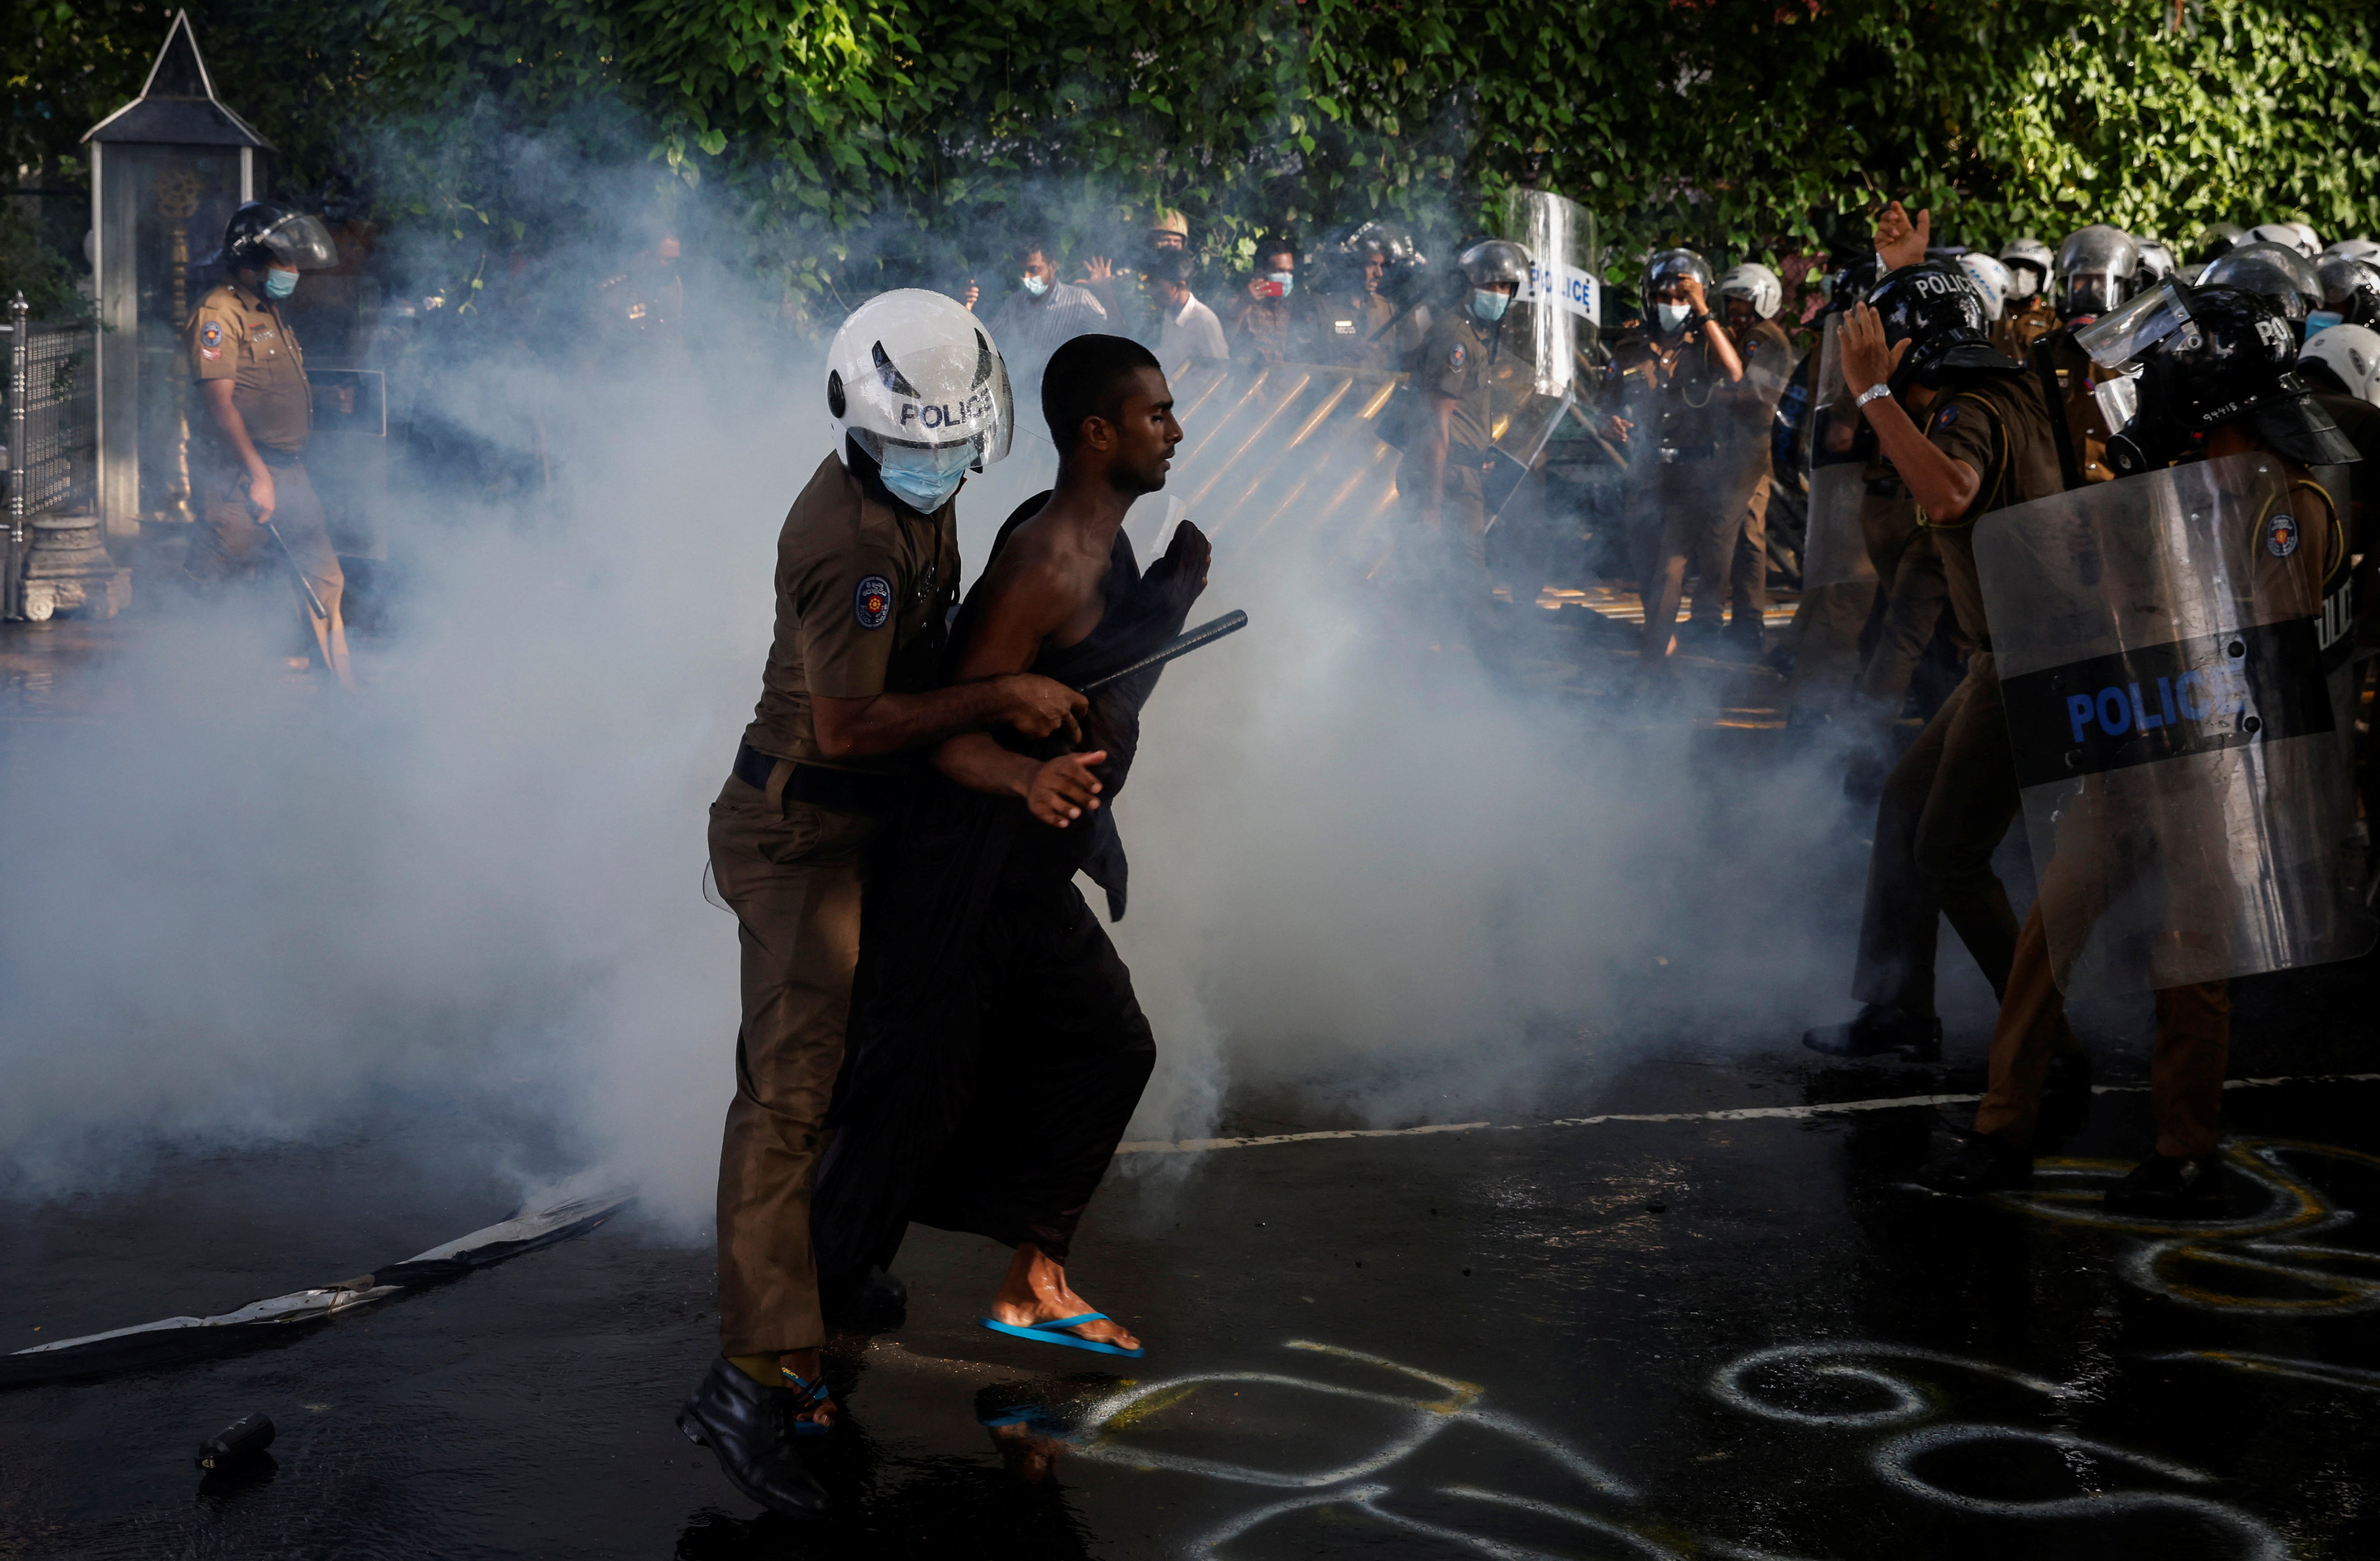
column 2231, row 357
column 1666, row 270
column 2095, row 268
column 1850, row 282
column 2156, row 262
column 1937, row 310
column 2218, row 240
column 2029, row 262
column 915, row 385
column 1497, row 272
column 2274, row 272
column 265, row 235
column 1993, row 283
column 2350, row 291
column 1758, row 286
column 2309, row 241
column 2353, row 248
column 1352, row 255
column 2351, row 356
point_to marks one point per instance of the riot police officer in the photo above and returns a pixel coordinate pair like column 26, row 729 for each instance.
column 1751, row 295
column 2260, row 544
column 2097, row 267
column 1352, row 318
column 1443, row 470
column 2029, row 316
column 2274, row 272
column 1697, row 501
column 259, row 509
column 1967, row 436
column 867, row 577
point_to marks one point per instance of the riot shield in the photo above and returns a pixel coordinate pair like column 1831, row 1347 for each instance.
column 1834, row 551
column 2159, row 652
column 1535, row 383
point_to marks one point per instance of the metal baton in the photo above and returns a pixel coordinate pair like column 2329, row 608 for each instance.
column 303, row 583
column 1180, row 645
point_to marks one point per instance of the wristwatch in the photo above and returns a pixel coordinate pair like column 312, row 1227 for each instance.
column 1871, row 392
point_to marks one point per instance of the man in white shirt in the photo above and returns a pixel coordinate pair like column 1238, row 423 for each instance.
column 1041, row 316
column 1187, row 328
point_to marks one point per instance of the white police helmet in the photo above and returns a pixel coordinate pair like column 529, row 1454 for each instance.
column 2288, row 236
column 2157, row 263
column 912, row 370
column 2029, row 262
column 1991, row 279
column 2353, row 248
column 2352, row 352
column 1755, row 284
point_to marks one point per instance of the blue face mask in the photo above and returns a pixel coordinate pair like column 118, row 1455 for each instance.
column 2323, row 320
column 280, row 284
column 1490, row 305
column 1285, row 280
column 1035, row 285
column 925, row 479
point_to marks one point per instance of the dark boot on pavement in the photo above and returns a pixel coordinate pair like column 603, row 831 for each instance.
column 2172, row 1188
column 750, row 1429
column 1982, row 1163
column 1879, row 1029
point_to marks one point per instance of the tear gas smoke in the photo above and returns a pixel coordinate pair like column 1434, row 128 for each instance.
column 244, row 909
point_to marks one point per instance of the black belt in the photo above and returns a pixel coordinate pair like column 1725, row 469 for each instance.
column 837, row 791
column 1465, row 455
column 1884, row 488
column 279, row 459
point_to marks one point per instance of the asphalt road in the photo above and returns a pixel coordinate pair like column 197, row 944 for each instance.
column 1722, row 1336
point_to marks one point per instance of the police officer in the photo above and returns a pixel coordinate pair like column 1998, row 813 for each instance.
column 866, row 575
column 2029, row 315
column 259, row 510
column 1443, row 469
column 1689, row 361
column 2274, row 272
column 1750, row 295
column 2223, row 386
column 2096, row 268
column 1967, row 436
column 2351, row 292
column 1351, row 316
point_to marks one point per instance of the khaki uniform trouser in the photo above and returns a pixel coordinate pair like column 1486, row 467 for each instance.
column 793, row 876
column 1748, row 577
column 229, row 544
column 1917, row 593
column 1944, row 809
column 1702, row 506
column 2193, row 1033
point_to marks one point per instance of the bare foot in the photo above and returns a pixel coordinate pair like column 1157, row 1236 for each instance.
column 1036, row 1291
column 807, row 1364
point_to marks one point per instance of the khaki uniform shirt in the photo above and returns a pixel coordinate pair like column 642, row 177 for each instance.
column 1767, row 355
column 1997, row 426
column 1353, row 331
column 864, row 598
column 2013, row 334
column 238, row 335
column 2086, row 425
column 1457, row 360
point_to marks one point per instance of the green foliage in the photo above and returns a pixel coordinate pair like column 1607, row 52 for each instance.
column 35, row 269
column 854, row 144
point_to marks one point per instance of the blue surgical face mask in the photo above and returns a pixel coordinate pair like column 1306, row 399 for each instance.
column 2323, row 320
column 280, row 284
column 1672, row 317
column 1285, row 280
column 1035, row 285
column 925, row 479
column 1490, row 305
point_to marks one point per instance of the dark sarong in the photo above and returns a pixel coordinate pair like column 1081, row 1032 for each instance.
column 996, row 1050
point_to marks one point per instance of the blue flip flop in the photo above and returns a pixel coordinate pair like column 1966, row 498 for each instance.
column 1054, row 1332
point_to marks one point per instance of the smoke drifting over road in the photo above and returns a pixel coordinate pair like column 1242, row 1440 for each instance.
column 1366, row 870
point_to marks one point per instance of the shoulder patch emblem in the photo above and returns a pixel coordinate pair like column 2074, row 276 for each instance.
column 1949, row 416
column 2281, row 535
column 871, row 602
column 210, row 334
column 1457, row 356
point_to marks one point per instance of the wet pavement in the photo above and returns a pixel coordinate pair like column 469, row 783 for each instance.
column 1740, row 1333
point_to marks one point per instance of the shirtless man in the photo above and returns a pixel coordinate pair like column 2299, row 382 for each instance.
column 998, row 1049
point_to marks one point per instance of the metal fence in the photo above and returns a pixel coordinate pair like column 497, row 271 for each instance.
column 53, row 435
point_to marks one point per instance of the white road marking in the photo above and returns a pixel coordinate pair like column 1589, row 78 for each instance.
column 1740, row 1114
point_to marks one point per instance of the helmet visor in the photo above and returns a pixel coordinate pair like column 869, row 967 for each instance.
column 2118, row 339
column 300, row 242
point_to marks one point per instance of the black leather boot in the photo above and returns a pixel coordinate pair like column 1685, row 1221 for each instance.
column 750, row 1429
column 1878, row 1030
column 1981, row 1162
column 2167, row 1187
